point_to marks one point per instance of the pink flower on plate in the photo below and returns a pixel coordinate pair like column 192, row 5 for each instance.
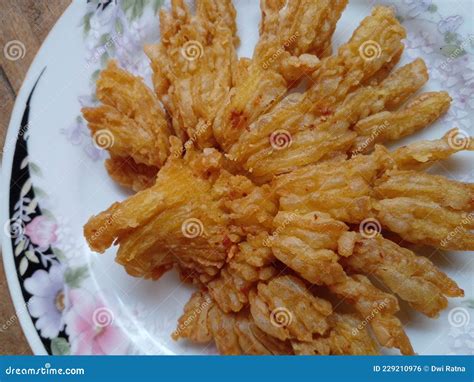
column 91, row 326
column 41, row 231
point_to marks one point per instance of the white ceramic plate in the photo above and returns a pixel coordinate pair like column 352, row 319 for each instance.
column 72, row 301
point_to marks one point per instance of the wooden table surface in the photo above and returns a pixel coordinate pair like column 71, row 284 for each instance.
column 29, row 22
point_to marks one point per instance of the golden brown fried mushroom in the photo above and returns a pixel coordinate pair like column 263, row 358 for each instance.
column 194, row 65
column 285, row 309
column 348, row 336
column 343, row 190
column 233, row 334
column 305, row 139
column 281, row 58
column 287, row 44
column 426, row 222
column 377, row 308
column 189, row 216
column 390, row 126
column 130, row 123
column 293, row 134
column 410, row 205
column 126, row 172
column 193, row 324
column 414, row 278
column 250, row 264
column 419, row 185
column 307, row 244
column 421, row 155
column 261, row 253
column 179, row 218
column 305, row 25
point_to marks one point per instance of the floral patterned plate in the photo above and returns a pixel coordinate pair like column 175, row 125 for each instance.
column 72, row 301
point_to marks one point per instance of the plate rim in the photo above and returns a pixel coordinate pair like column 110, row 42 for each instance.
column 13, row 283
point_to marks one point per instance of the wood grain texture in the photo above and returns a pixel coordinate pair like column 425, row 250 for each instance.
column 27, row 22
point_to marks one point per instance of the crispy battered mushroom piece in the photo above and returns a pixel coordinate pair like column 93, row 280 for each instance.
column 177, row 219
column 126, row 172
column 414, row 278
column 285, row 309
column 194, row 215
column 223, row 329
column 255, row 341
column 303, row 128
column 233, row 334
column 427, row 222
column 193, row 324
column 288, row 44
column 308, row 244
column 332, row 84
column 348, row 336
column 249, row 265
column 410, row 205
column 250, row 207
column 312, row 244
column 376, row 307
column 385, row 70
column 390, row 126
column 130, row 123
column 194, row 64
column 305, row 139
column 423, row 154
column 402, row 83
column 281, row 57
column 419, row 185
column 343, row 190
column 306, row 26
